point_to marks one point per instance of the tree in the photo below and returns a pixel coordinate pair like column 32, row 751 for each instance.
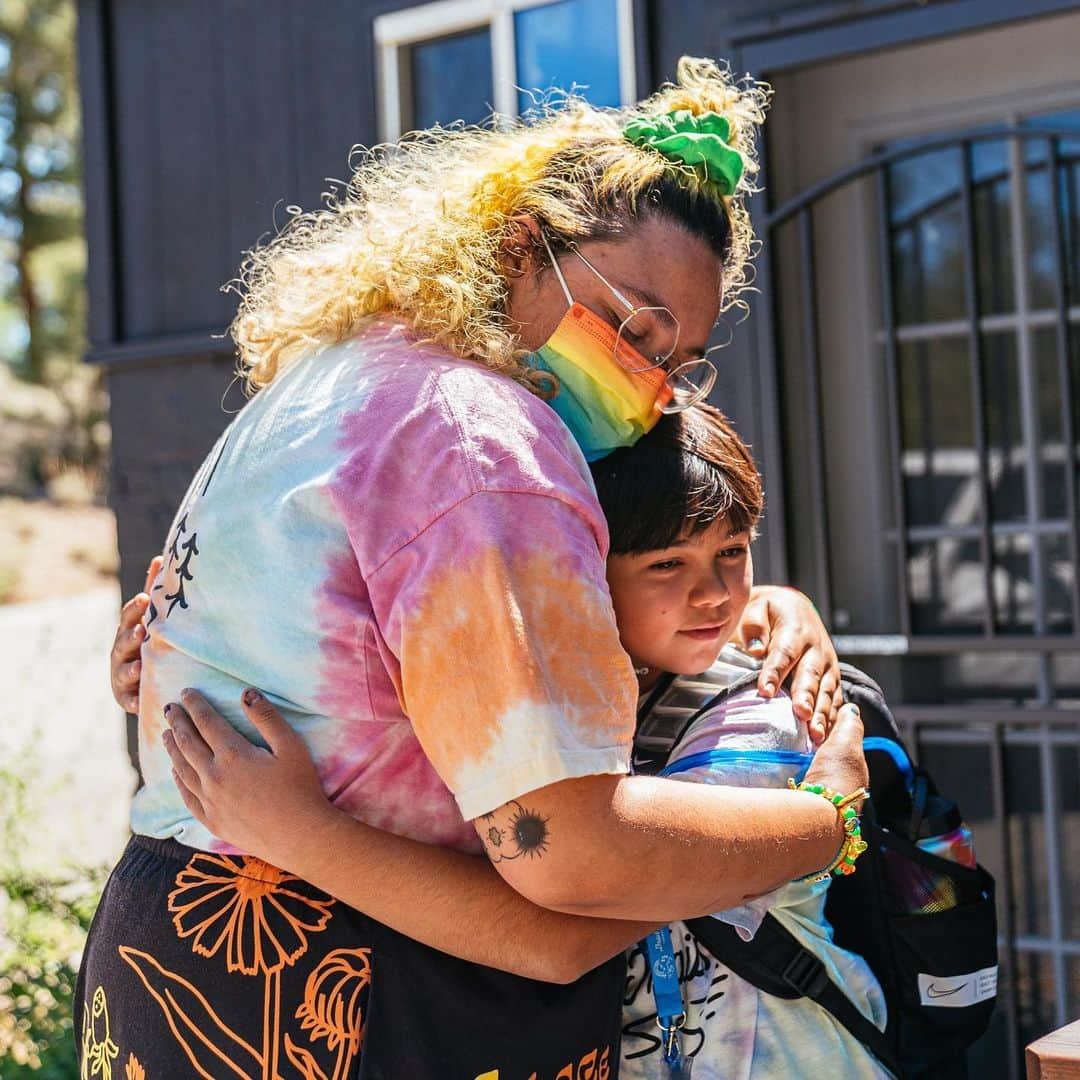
column 41, row 274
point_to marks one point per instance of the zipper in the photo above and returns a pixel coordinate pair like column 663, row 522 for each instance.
column 760, row 757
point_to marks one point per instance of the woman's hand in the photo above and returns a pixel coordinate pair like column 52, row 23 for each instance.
column 125, row 667
column 264, row 802
column 840, row 762
column 782, row 626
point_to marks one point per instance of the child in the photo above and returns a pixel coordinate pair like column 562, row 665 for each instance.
column 682, row 506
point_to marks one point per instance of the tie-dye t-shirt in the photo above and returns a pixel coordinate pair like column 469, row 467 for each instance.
column 405, row 552
column 733, row 1030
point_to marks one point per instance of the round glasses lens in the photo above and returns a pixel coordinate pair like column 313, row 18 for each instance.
column 647, row 339
column 689, row 383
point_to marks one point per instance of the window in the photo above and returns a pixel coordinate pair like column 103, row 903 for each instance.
column 464, row 59
column 980, row 378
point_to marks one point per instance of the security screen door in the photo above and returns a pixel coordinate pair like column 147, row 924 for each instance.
column 923, row 257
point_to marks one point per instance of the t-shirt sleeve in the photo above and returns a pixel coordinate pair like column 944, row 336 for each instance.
column 508, row 659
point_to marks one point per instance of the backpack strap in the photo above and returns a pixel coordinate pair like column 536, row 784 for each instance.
column 663, row 684
column 736, row 686
column 778, row 964
column 652, row 759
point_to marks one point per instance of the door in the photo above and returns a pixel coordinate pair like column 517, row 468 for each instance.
column 923, row 252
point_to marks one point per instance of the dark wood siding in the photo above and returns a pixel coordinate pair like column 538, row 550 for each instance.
column 222, row 113
column 203, row 122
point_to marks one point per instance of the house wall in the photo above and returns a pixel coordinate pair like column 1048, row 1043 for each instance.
column 204, row 122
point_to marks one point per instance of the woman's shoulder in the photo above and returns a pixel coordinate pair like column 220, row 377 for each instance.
column 425, row 433
column 509, row 432
column 478, row 427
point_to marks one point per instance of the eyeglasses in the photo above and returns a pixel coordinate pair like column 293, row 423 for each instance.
column 689, row 382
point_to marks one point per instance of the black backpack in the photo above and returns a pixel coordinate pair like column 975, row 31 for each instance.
column 938, row 968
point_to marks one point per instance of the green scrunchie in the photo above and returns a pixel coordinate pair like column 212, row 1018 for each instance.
column 699, row 141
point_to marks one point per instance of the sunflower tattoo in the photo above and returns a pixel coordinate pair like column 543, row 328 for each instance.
column 525, row 832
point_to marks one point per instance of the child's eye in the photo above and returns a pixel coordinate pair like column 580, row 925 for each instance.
column 665, row 564
column 732, row 552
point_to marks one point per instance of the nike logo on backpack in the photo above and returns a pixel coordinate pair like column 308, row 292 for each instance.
column 976, row 986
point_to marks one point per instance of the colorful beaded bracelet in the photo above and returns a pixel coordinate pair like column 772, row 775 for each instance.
column 854, row 845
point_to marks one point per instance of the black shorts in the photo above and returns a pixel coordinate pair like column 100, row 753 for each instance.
column 224, row 967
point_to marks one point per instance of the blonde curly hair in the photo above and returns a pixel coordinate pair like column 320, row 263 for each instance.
column 421, row 225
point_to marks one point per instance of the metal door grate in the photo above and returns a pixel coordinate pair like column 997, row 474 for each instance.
column 986, row 575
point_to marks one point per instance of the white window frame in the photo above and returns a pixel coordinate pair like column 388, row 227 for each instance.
column 396, row 31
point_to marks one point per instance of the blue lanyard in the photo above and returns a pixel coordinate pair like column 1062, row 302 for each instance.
column 670, row 1011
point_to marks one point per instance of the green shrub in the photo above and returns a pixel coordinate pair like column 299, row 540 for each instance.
column 43, row 922
column 44, row 925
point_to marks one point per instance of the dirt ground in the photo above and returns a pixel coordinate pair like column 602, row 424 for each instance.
column 65, row 778
column 49, row 550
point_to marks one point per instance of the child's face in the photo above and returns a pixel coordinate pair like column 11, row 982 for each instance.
column 677, row 607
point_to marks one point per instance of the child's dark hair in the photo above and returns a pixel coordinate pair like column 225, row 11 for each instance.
column 690, row 471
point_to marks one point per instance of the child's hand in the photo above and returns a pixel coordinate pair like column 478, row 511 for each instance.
column 263, row 802
column 125, row 667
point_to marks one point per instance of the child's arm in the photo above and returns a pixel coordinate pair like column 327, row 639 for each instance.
column 446, row 899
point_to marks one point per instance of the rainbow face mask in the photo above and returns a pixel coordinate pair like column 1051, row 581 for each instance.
column 606, row 403
column 609, row 394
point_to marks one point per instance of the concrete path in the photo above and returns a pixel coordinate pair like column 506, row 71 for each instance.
column 61, row 735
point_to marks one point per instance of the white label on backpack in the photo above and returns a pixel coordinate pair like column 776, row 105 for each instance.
column 958, row 991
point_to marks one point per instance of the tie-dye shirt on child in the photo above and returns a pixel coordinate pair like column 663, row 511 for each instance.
column 405, row 552
column 734, row 1031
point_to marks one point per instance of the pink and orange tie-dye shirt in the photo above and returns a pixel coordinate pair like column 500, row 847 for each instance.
column 405, row 552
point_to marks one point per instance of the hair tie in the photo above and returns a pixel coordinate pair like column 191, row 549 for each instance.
column 698, row 140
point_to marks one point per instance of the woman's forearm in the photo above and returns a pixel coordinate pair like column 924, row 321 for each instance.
column 450, row 901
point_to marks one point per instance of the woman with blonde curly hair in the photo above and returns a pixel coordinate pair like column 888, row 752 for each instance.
column 398, row 540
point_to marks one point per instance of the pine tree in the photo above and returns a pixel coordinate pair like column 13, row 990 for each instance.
column 40, row 195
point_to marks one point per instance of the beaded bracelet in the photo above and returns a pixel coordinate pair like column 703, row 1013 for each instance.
column 854, row 845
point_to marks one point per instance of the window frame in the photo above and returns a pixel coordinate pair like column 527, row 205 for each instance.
column 396, row 32
column 1023, row 319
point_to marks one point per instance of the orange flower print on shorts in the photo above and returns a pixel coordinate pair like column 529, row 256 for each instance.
column 260, row 915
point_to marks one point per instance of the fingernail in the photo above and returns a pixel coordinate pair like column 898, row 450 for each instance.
column 770, row 687
column 250, row 697
column 755, row 643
